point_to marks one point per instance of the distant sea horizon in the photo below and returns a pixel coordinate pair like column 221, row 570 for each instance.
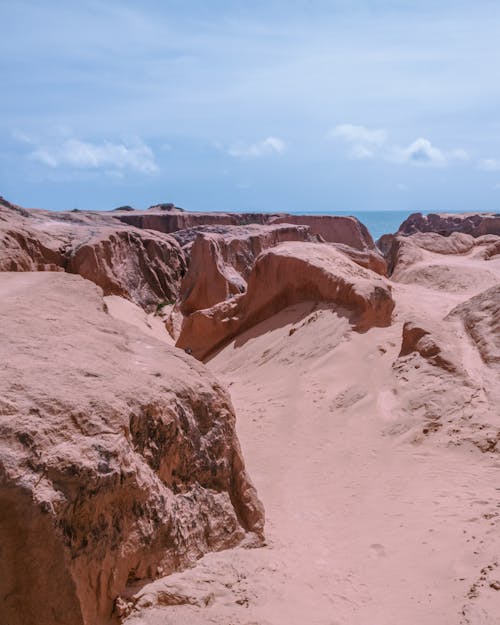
column 377, row 222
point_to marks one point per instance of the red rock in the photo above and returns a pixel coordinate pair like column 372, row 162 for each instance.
column 334, row 229
column 119, row 460
column 284, row 275
column 418, row 339
column 220, row 264
column 481, row 318
column 475, row 224
column 145, row 267
column 367, row 258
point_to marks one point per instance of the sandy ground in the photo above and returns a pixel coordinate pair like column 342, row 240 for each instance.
column 369, row 522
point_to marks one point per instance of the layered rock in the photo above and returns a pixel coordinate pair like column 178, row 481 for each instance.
column 334, row 229
column 142, row 266
column 145, row 267
column 118, row 456
column 220, row 264
column 352, row 236
column 431, row 259
column 367, row 258
column 475, row 224
column 285, row 275
column 24, row 247
column 417, row 339
column 168, row 221
column 481, row 318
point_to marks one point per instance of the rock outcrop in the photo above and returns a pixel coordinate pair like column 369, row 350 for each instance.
column 220, row 264
column 118, row 456
column 417, row 339
column 481, row 318
column 168, row 221
column 349, row 233
column 285, row 275
column 145, row 267
column 334, row 229
column 475, row 224
column 431, row 259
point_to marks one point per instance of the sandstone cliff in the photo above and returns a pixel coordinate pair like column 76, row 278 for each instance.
column 145, row 267
column 284, row 275
column 220, row 264
column 118, row 456
column 475, row 224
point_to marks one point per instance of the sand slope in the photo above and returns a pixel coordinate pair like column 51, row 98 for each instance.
column 379, row 472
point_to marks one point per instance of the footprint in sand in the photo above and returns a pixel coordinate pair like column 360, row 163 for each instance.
column 377, row 550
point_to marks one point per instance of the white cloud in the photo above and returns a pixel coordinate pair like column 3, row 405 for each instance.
column 489, row 164
column 266, row 147
column 373, row 143
column 116, row 157
column 365, row 142
column 359, row 134
column 420, row 152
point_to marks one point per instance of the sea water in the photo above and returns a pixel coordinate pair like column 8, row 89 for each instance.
column 377, row 222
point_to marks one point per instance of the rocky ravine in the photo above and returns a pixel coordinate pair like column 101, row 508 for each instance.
column 390, row 436
column 367, row 411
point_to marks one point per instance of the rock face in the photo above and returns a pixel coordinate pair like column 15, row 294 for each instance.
column 352, row 236
column 220, row 264
column 417, row 339
column 168, row 221
column 367, row 258
column 145, row 267
column 481, row 318
column 118, row 456
column 141, row 266
column 475, row 224
column 433, row 260
column 285, row 275
column 334, row 229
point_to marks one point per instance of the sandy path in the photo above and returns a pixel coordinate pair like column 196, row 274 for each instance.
column 364, row 526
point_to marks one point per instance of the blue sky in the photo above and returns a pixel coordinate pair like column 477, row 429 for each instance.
column 232, row 105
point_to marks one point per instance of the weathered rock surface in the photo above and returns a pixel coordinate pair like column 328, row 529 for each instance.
column 367, row 258
column 168, row 221
column 346, row 231
column 220, row 264
column 431, row 259
column 285, row 275
column 481, row 318
column 334, row 229
column 142, row 266
column 118, row 456
column 417, row 339
column 475, row 224
column 145, row 267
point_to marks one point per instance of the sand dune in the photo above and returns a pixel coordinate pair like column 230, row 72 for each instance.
column 381, row 489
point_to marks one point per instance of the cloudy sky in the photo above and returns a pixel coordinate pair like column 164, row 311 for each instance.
column 274, row 105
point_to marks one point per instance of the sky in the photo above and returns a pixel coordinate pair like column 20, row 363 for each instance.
column 250, row 105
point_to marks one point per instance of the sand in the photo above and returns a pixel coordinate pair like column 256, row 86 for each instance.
column 373, row 516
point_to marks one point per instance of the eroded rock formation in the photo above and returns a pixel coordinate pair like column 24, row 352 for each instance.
column 481, row 318
column 118, row 456
column 220, row 264
column 284, row 275
column 145, row 267
column 475, row 224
